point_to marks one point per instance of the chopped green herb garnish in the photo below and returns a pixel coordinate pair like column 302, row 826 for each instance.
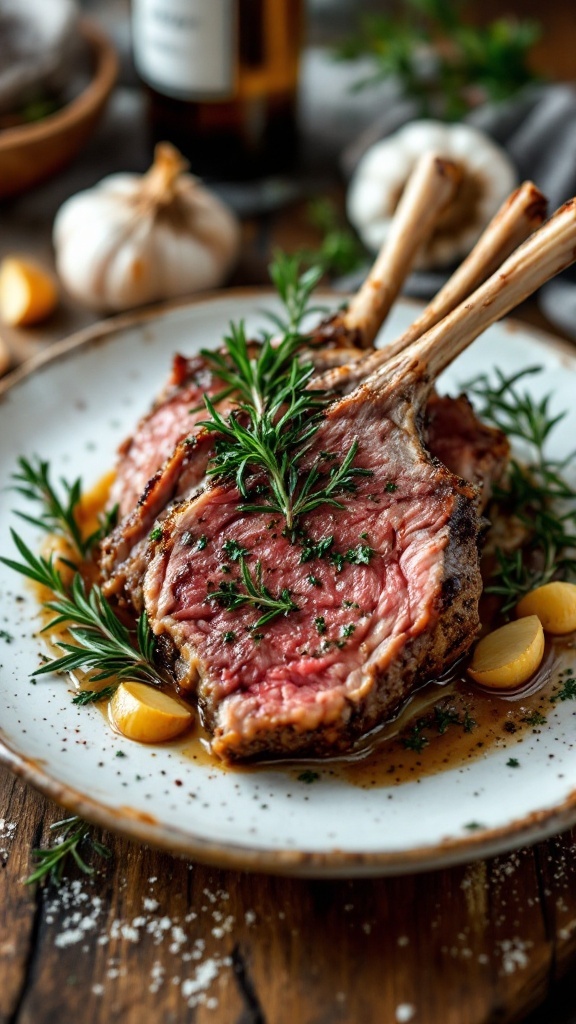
column 156, row 533
column 535, row 718
column 512, row 762
column 229, row 636
column 338, row 560
column 568, row 691
column 308, row 776
column 234, row 550
column 391, row 487
column 468, row 723
column 360, row 555
column 438, row 720
column 202, row 542
column 314, row 581
column 315, row 548
column 349, row 629
column 445, row 716
column 415, row 740
column 320, row 624
column 7, row 637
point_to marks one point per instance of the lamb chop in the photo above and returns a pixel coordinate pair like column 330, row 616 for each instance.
column 385, row 593
column 169, row 453
column 483, row 452
column 334, row 341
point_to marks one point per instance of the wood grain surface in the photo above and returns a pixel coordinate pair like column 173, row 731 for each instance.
column 151, row 937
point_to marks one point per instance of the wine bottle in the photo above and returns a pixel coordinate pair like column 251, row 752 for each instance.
column 221, row 77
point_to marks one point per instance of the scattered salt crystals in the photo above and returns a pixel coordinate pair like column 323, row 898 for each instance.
column 194, row 989
column 567, row 930
column 178, row 936
column 250, row 917
column 78, row 914
column 405, row 1012
column 514, row 954
column 7, row 833
column 83, row 910
column 157, row 975
column 225, row 928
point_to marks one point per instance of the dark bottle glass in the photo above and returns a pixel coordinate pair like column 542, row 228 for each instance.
column 222, row 78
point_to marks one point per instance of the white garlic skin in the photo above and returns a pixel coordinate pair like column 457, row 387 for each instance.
column 384, row 169
column 117, row 248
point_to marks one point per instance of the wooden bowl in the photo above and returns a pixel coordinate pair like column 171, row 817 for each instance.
column 30, row 153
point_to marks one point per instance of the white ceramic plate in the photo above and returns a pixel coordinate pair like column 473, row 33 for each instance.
column 73, row 409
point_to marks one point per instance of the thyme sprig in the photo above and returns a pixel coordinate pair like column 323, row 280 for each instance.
column 536, row 492
column 271, row 428
column 255, row 593
column 57, row 514
column 74, row 835
column 104, row 647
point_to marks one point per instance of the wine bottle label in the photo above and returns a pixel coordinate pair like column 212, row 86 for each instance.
column 186, row 48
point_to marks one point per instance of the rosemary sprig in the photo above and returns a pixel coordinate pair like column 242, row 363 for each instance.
column 84, row 697
column 295, row 289
column 104, row 646
column 536, row 492
column 228, row 595
column 271, row 428
column 75, row 834
column 57, row 515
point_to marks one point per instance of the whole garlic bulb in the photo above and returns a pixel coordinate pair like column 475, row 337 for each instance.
column 488, row 177
column 134, row 238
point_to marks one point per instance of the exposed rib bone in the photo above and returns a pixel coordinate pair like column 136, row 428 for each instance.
column 516, row 219
column 429, row 190
column 523, row 211
column 548, row 251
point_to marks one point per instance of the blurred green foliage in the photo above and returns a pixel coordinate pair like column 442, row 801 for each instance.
column 339, row 251
column 445, row 65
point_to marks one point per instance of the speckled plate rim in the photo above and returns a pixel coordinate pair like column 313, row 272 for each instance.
column 528, row 830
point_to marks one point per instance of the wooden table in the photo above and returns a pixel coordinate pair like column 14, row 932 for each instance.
column 153, row 938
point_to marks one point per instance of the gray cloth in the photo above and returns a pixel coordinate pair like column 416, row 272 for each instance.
column 538, row 131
